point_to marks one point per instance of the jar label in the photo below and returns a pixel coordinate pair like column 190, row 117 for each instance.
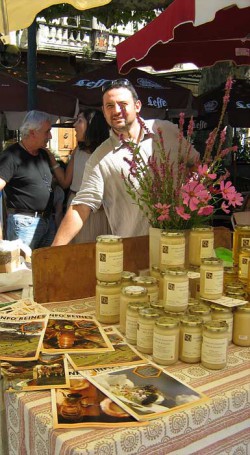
column 245, row 242
column 213, row 282
column 176, row 294
column 206, row 248
column 110, row 262
column 214, row 350
column 109, row 305
column 131, row 327
column 164, row 346
column 191, row 344
column 145, row 335
column 173, row 254
column 243, row 266
column 153, row 296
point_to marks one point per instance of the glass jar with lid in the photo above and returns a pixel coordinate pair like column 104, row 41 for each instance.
column 132, row 320
column 214, row 345
column 158, row 306
column 211, row 278
column 202, row 311
column 109, row 258
column 222, row 313
column 244, row 261
column 127, row 277
column 175, row 314
column 201, row 244
column 130, row 294
column 108, row 301
column 191, row 302
column 161, row 283
column 190, row 339
column 239, row 294
column 175, row 290
column 155, row 272
column 241, row 326
column 172, row 249
column 150, row 283
column 230, row 275
column 166, row 341
column 145, row 330
column 241, row 239
column 235, row 286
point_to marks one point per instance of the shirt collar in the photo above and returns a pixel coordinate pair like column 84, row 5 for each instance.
column 117, row 143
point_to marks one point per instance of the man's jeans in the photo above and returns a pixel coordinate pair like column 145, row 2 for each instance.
column 36, row 232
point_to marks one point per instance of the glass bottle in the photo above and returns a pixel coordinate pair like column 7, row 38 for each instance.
column 201, row 244
column 214, row 345
column 145, row 330
column 241, row 325
column 166, row 341
column 190, row 339
column 150, row 283
column 132, row 320
column 108, row 301
column 211, row 278
column 109, row 258
column 172, row 249
column 175, row 290
column 244, row 261
column 241, row 239
column 130, row 294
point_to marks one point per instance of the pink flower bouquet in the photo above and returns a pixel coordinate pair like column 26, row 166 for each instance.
column 193, row 197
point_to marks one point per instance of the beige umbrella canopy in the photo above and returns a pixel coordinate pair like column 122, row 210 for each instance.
column 19, row 14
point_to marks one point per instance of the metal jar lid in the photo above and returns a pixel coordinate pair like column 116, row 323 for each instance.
column 172, row 234
column 178, row 271
column 199, row 309
column 144, row 280
column 191, row 321
column 212, row 261
column 149, row 313
column 108, row 283
column 134, row 290
column 136, row 306
column 108, row 238
column 202, row 228
column 128, row 275
column 167, row 322
column 220, row 308
column 216, row 326
column 244, row 308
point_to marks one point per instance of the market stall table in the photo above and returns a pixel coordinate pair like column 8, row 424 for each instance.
column 220, row 425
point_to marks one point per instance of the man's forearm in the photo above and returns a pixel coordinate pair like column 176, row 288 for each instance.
column 71, row 224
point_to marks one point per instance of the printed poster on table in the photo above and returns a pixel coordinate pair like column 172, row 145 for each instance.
column 47, row 372
column 21, row 337
column 75, row 333
column 84, row 405
column 123, row 354
column 146, row 391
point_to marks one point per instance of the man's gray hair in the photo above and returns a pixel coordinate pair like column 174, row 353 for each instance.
column 34, row 121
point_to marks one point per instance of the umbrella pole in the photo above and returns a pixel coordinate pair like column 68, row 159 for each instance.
column 31, row 67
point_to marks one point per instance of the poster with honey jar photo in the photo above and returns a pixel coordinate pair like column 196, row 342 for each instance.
column 84, row 405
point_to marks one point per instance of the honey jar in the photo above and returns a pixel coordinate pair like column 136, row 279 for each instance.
column 166, row 341
column 211, row 278
column 244, row 261
column 126, row 279
column 241, row 239
column 145, row 330
column 172, row 249
column 150, row 283
column 202, row 311
column 201, row 244
column 190, row 339
column 109, row 258
column 214, row 345
column 130, row 294
column 108, row 301
column 241, row 325
column 132, row 319
column 175, row 290
column 221, row 313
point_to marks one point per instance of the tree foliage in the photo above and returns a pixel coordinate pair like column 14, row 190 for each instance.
column 117, row 12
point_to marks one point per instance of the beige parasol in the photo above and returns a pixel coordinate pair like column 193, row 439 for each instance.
column 19, row 14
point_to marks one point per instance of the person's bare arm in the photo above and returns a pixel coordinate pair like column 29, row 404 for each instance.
column 2, row 184
column 71, row 224
column 63, row 177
